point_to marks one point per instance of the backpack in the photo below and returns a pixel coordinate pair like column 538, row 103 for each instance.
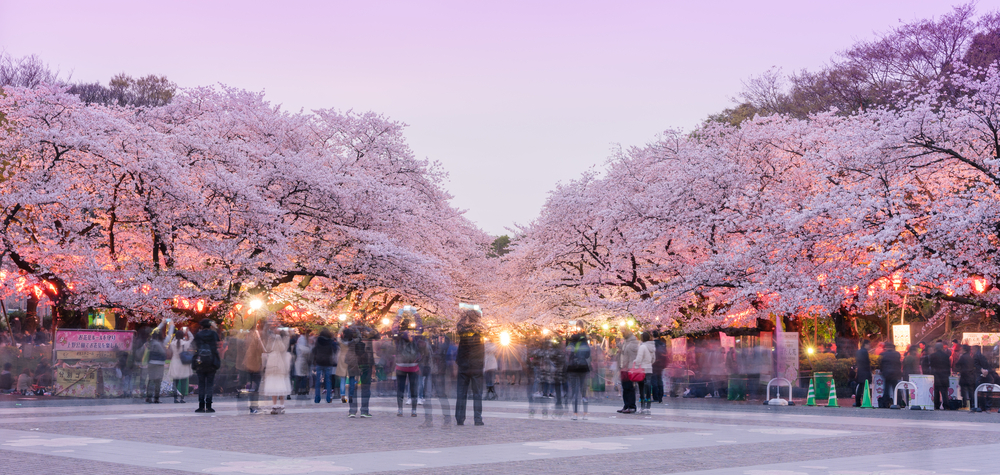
column 187, row 356
column 204, row 359
column 578, row 359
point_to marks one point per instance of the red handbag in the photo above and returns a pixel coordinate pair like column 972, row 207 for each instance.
column 635, row 374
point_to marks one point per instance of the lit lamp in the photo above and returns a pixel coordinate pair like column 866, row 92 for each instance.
column 256, row 304
column 504, row 338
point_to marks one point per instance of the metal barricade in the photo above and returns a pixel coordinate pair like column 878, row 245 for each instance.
column 778, row 401
column 982, row 387
column 895, row 393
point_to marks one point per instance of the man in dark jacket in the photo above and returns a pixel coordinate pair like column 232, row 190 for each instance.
column 892, row 371
column 659, row 364
column 471, row 353
column 940, row 364
column 325, row 361
column 965, row 366
column 360, row 362
column 864, row 366
column 206, row 363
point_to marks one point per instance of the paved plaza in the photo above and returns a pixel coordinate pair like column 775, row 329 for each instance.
column 698, row 437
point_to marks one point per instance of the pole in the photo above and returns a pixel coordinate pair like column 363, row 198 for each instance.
column 6, row 321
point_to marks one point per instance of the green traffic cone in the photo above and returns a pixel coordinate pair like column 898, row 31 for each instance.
column 832, row 401
column 811, row 396
column 866, row 400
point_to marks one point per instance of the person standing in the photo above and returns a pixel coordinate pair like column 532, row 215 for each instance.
column 360, row 361
column 490, row 370
column 438, row 368
column 864, row 371
column 644, row 358
column 659, row 364
column 940, row 365
column 341, row 370
column 629, row 348
column 408, row 358
column 469, row 361
column 252, row 365
column 277, row 363
column 965, row 366
column 303, row 360
column 157, row 358
column 178, row 371
column 577, row 368
column 206, row 363
column 911, row 362
column 324, row 355
column 892, row 371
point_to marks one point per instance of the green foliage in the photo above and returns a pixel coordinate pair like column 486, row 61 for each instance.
column 500, row 246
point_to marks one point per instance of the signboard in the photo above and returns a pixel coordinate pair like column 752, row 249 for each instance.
column 980, row 339
column 788, row 356
column 85, row 362
column 727, row 341
column 91, row 340
column 678, row 352
column 901, row 337
column 766, row 340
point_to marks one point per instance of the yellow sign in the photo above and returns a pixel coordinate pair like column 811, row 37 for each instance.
column 901, row 337
column 86, row 355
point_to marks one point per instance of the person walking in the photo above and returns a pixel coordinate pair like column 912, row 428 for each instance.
column 627, row 351
column 659, row 365
column 940, row 364
column 577, row 369
column 324, row 355
column 892, row 371
column 179, row 371
column 206, row 363
column 439, row 345
column 277, row 363
column 864, row 371
column 644, row 358
column 490, row 369
column 340, row 371
column 303, row 360
column 469, row 361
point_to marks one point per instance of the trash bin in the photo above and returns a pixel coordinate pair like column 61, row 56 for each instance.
column 737, row 388
column 597, row 381
column 821, row 385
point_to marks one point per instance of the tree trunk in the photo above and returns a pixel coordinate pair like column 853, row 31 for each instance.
column 30, row 323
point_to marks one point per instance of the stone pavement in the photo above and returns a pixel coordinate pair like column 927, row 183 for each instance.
column 697, row 437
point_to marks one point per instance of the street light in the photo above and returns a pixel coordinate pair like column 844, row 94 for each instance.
column 342, row 317
column 255, row 304
column 504, row 338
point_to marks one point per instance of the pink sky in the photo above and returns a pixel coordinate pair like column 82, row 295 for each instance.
column 512, row 97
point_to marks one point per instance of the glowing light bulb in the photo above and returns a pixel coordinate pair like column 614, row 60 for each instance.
column 342, row 317
column 545, row 331
column 504, row 338
column 386, row 321
column 605, row 326
column 256, row 304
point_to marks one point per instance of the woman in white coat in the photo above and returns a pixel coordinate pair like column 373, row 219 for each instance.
column 644, row 359
column 277, row 362
column 178, row 371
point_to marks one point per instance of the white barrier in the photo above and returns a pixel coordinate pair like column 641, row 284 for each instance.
column 777, row 401
column 895, row 393
column 975, row 398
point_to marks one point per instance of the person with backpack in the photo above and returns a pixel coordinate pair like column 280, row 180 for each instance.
column 206, row 363
column 577, row 369
column 408, row 358
column 360, row 361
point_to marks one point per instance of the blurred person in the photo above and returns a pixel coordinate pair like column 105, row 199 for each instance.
column 6, row 378
column 340, row 371
column 180, row 372
column 863, row 367
column 965, row 366
column 659, row 365
column 360, row 361
column 24, row 382
column 925, row 358
column 324, row 356
column 892, row 372
column 627, row 352
column 534, row 354
column 439, row 345
column 277, row 365
column 157, row 356
column 954, row 352
column 644, row 358
column 407, row 364
column 252, row 365
column 469, row 363
column 424, row 380
column 206, row 363
column 43, row 375
column 303, row 361
column 911, row 362
column 577, row 368
column 490, row 369
column 715, row 362
column 940, row 364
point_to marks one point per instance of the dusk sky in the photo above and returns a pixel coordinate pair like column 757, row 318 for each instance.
column 511, row 97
